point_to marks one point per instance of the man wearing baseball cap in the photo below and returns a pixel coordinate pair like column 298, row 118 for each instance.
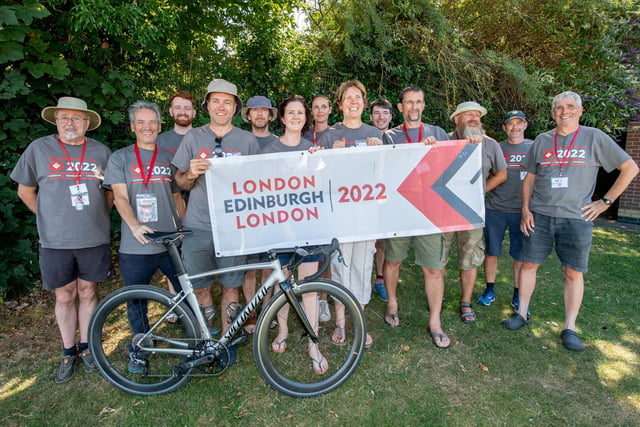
column 60, row 180
column 504, row 208
column 494, row 172
column 218, row 138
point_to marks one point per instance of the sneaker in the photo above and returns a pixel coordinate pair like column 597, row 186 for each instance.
column 381, row 290
column 325, row 314
column 487, row 297
column 88, row 362
column 136, row 365
column 65, row 371
column 515, row 303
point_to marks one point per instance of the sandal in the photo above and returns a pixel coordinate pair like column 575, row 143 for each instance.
column 172, row 318
column 467, row 316
column 439, row 339
column 250, row 323
column 339, row 337
column 369, row 342
column 320, row 365
column 392, row 319
column 279, row 346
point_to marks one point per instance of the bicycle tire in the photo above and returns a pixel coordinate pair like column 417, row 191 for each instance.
column 292, row 372
column 110, row 337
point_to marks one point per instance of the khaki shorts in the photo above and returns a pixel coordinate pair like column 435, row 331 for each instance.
column 429, row 250
column 470, row 247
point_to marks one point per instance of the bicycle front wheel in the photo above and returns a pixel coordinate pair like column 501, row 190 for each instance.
column 113, row 346
column 289, row 366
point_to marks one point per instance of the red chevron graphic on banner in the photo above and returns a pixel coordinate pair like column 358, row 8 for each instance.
column 418, row 187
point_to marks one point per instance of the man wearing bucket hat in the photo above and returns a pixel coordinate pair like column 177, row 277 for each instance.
column 494, row 172
column 260, row 113
column 503, row 208
column 59, row 179
column 200, row 146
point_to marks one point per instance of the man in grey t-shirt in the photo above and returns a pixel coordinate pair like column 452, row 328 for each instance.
column 182, row 110
column 562, row 167
column 494, row 172
column 199, row 149
column 60, row 180
column 503, row 207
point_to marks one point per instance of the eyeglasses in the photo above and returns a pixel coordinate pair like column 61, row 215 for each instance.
column 75, row 119
column 217, row 152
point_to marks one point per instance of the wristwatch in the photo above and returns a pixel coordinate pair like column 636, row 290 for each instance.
column 606, row 201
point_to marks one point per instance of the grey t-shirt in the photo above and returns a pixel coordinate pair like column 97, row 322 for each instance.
column 61, row 225
column 492, row 157
column 353, row 137
column 507, row 196
column 397, row 135
column 169, row 140
column 276, row 146
column 591, row 150
column 313, row 136
column 200, row 143
column 123, row 169
column 264, row 140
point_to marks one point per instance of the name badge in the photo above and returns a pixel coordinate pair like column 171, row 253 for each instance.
column 79, row 196
column 361, row 142
column 147, row 207
column 560, row 182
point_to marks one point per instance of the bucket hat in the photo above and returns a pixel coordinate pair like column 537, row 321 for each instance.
column 468, row 106
column 258, row 102
column 222, row 86
column 70, row 103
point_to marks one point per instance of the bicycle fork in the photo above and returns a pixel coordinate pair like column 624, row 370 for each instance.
column 287, row 288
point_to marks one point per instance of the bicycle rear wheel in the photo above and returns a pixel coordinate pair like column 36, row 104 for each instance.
column 292, row 371
column 111, row 340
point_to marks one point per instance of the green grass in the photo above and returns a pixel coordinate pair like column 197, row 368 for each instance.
column 489, row 376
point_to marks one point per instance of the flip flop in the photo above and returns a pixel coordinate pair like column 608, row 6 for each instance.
column 338, row 337
column 321, row 364
column 392, row 319
column 369, row 342
column 441, row 337
column 279, row 346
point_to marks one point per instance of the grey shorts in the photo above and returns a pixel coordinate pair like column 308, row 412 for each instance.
column 572, row 239
column 60, row 267
column 429, row 250
column 198, row 255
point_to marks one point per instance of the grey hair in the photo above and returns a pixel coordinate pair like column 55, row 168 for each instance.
column 144, row 105
column 567, row 94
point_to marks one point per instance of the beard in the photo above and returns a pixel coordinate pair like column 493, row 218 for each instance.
column 472, row 129
column 182, row 120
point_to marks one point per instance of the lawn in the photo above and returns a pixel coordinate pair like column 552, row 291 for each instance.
column 489, row 376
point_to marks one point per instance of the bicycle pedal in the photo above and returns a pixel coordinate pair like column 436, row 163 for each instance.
column 241, row 340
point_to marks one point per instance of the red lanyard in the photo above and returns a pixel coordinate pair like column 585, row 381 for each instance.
column 566, row 152
column 145, row 181
column 406, row 132
column 66, row 155
column 315, row 141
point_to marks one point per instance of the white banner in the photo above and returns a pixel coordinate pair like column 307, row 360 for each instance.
column 283, row 200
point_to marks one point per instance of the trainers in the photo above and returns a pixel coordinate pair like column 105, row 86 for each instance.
column 88, row 362
column 65, row 371
column 515, row 322
column 381, row 290
column 487, row 297
column 325, row 314
column 136, row 365
column 515, row 303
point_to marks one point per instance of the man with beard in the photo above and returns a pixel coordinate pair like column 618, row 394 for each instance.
column 429, row 249
column 199, row 149
column 60, row 180
column 259, row 112
column 557, row 210
column 471, row 243
column 182, row 110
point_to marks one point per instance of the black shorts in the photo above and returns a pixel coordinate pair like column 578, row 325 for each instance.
column 60, row 267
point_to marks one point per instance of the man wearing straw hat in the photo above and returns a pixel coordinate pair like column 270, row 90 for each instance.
column 60, row 179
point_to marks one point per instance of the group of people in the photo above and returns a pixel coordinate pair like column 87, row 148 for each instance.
column 539, row 190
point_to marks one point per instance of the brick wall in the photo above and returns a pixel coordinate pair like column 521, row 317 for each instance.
column 629, row 209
